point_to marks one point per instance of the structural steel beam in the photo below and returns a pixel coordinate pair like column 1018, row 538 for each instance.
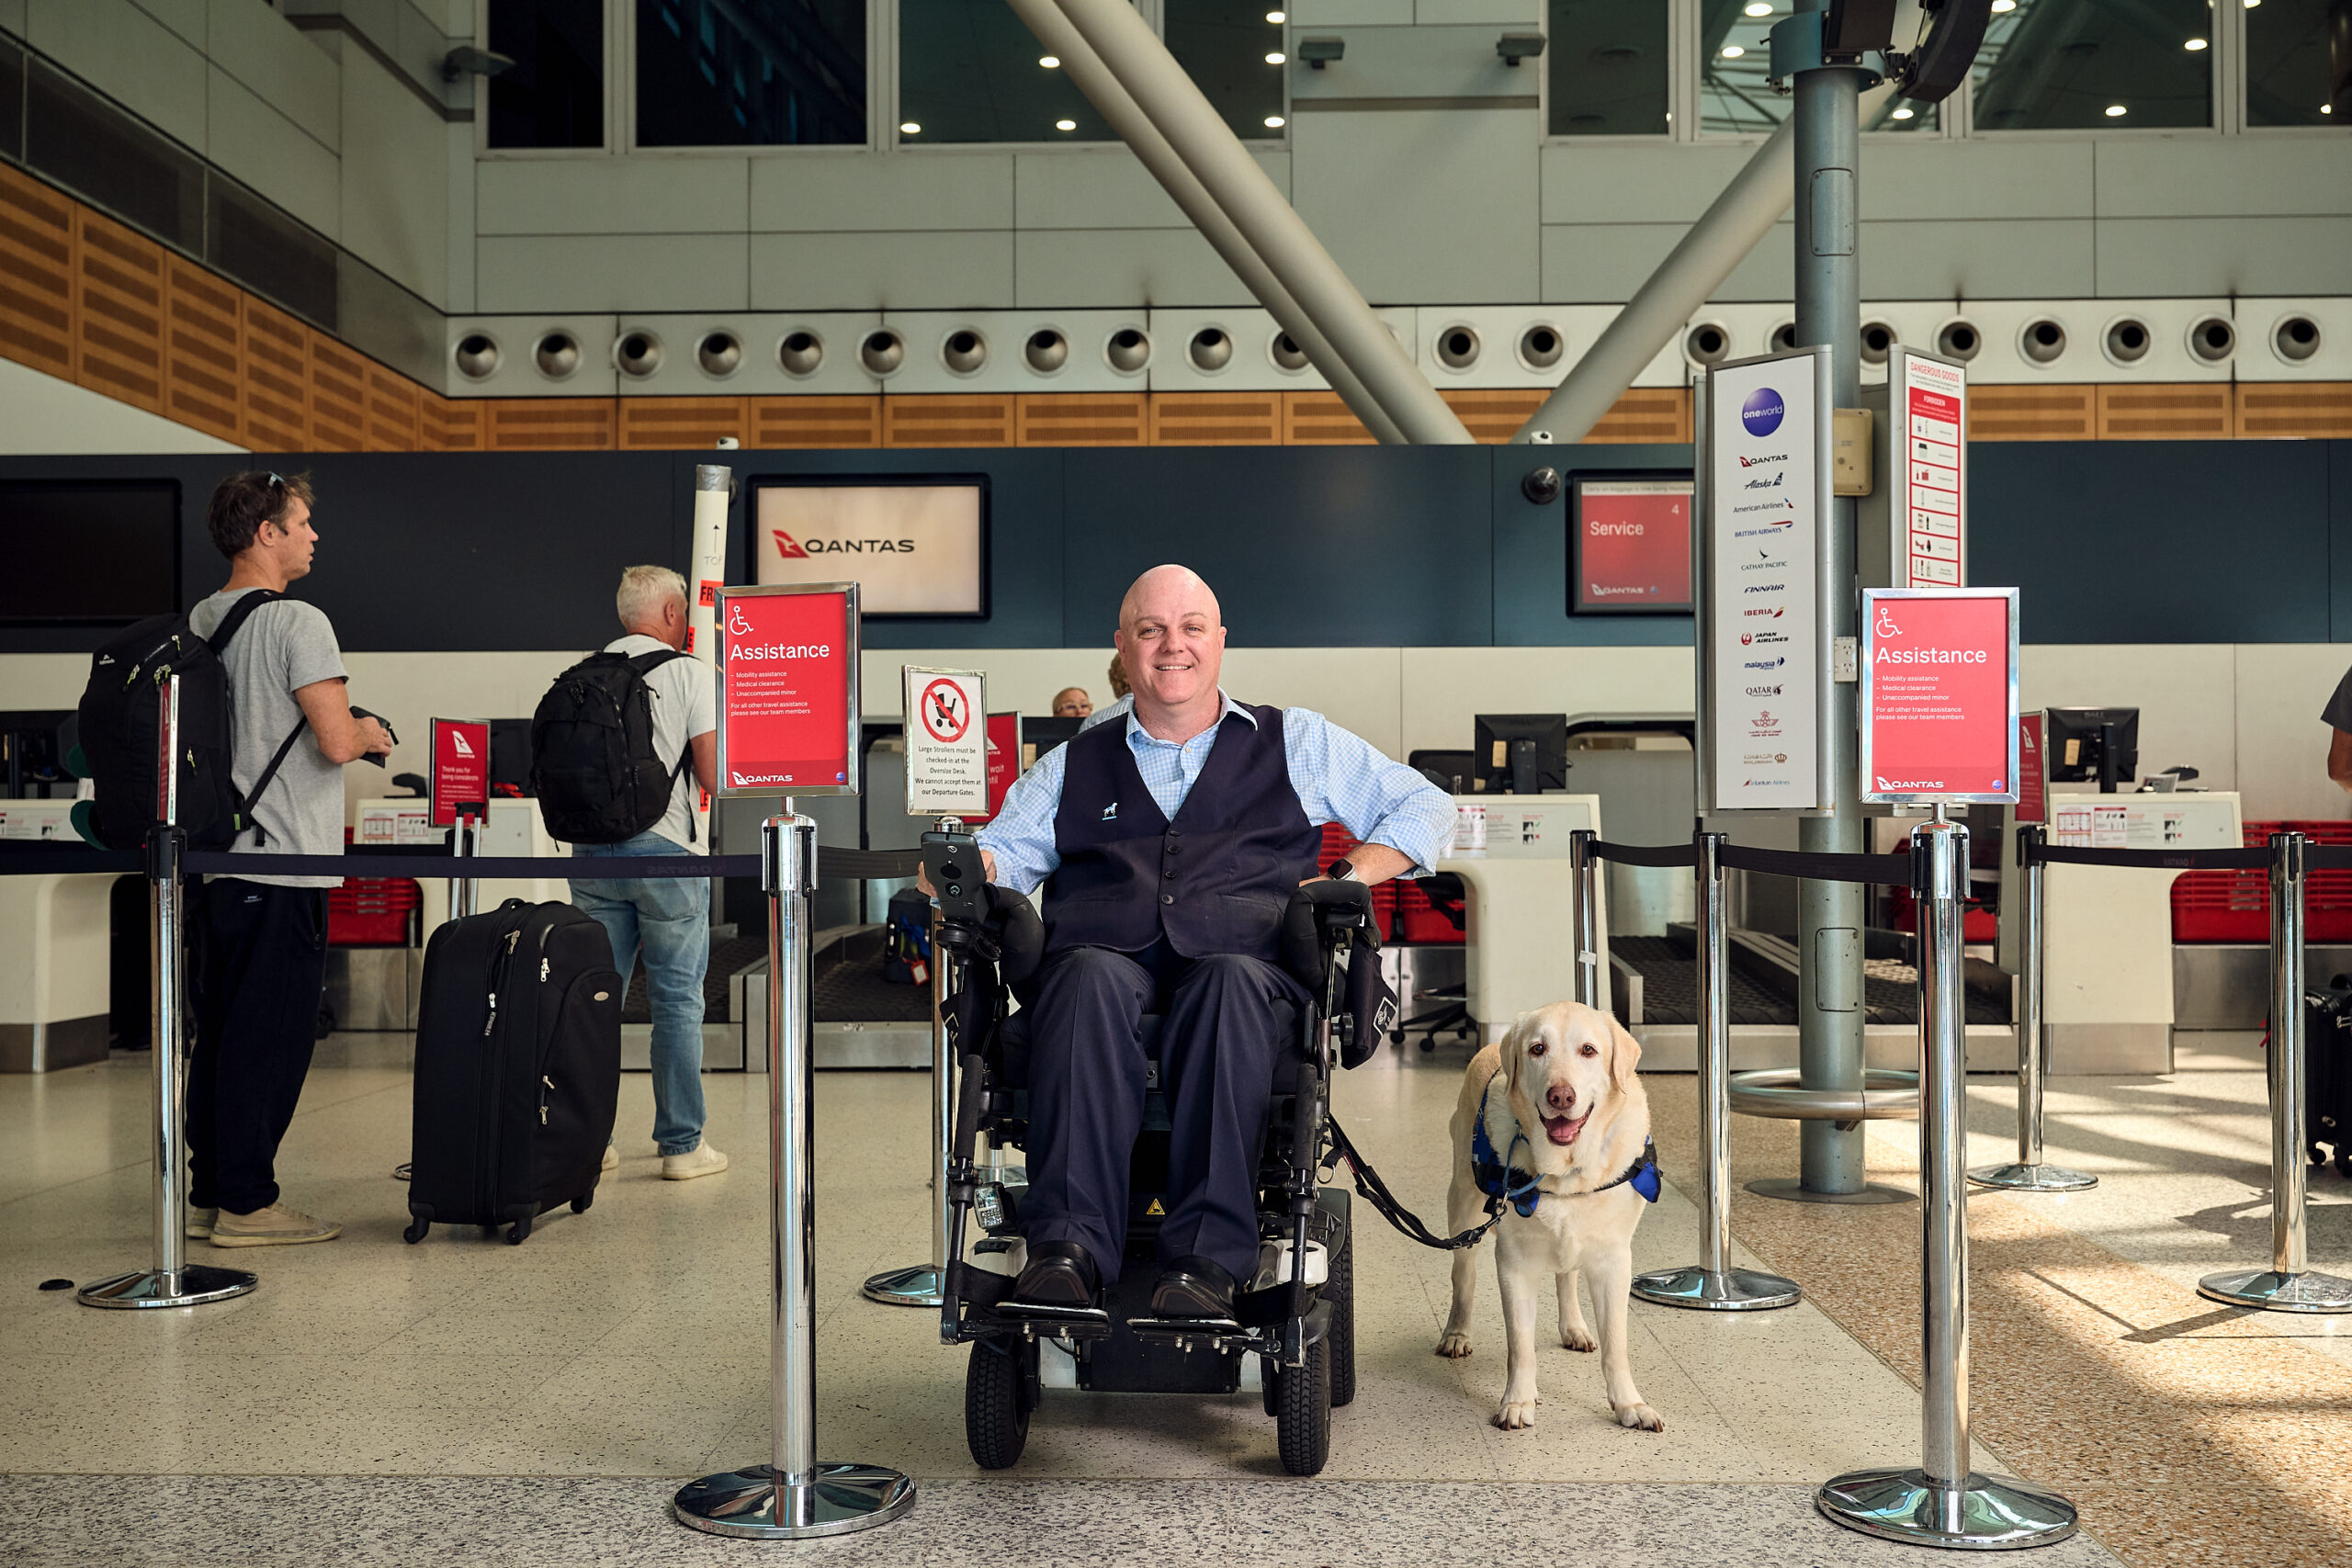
column 1720, row 241
column 1086, row 70
column 1176, row 109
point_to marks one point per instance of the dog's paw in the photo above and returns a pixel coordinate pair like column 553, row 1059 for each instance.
column 1641, row 1418
column 1579, row 1339
column 1516, row 1415
column 1453, row 1347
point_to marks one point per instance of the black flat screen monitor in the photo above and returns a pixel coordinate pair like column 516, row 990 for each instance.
column 1520, row 754
column 510, row 757
column 2084, row 744
column 1450, row 770
column 102, row 552
column 1039, row 735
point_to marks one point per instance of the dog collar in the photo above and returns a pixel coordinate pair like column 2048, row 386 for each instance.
column 1503, row 1182
column 1642, row 1174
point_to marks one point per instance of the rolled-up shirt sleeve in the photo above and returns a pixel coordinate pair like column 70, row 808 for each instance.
column 1021, row 836
column 1341, row 777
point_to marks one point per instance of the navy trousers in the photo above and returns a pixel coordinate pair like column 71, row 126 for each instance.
column 1223, row 1031
column 256, row 1019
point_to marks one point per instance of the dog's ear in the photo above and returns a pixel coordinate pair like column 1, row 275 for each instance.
column 1625, row 1056
column 1514, row 1048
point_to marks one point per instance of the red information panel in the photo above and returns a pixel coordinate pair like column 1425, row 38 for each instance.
column 461, row 770
column 2032, row 778
column 1630, row 545
column 1004, row 760
column 1939, row 695
column 788, row 690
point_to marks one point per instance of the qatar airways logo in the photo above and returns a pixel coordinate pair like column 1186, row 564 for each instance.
column 1762, row 413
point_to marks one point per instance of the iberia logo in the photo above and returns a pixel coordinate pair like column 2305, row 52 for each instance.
column 787, row 546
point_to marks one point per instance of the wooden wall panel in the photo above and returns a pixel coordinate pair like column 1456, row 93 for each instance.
column 338, row 396
column 450, row 424
column 1216, row 418
column 818, row 420
column 2312, row 410
column 550, row 424
column 119, row 313
column 679, row 424
column 2198, row 412
column 1493, row 416
column 953, row 418
column 203, row 377
column 35, row 275
column 277, row 379
column 2032, row 414
column 1320, row 419
column 1081, row 419
column 1644, row 414
column 392, row 402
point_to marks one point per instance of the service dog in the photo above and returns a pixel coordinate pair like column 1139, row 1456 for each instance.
column 1555, row 1113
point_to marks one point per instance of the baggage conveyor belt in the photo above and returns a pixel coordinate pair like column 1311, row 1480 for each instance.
column 1763, row 975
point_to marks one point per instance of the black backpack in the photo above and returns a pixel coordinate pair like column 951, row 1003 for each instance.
column 593, row 763
column 121, row 732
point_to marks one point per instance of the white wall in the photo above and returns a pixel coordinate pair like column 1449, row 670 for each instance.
column 42, row 416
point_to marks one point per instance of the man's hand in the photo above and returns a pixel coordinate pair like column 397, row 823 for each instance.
column 374, row 739
column 987, row 865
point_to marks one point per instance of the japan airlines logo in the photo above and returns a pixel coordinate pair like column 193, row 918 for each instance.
column 1762, row 412
column 787, row 546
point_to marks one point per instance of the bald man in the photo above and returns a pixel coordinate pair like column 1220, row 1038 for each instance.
column 1168, row 841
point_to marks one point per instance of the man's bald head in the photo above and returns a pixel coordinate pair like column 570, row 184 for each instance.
column 1171, row 640
column 1169, row 592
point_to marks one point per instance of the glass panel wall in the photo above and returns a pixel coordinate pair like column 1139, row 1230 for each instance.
column 750, row 73
column 1233, row 50
column 975, row 72
column 1736, row 54
column 2299, row 63
column 1609, row 68
column 554, row 95
column 2073, row 65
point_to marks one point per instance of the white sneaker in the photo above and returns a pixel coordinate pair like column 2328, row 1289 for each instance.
column 700, row 1160
column 200, row 1220
column 277, row 1225
column 612, row 1156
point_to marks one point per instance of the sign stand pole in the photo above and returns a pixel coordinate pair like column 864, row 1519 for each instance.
column 172, row 1281
column 2030, row 1173
column 795, row 1495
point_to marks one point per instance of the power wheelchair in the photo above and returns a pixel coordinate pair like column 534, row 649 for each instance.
column 1296, row 1314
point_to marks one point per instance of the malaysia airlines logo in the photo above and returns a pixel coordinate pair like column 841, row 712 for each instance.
column 787, row 546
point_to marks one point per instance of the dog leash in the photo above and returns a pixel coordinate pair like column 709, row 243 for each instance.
column 1375, row 1191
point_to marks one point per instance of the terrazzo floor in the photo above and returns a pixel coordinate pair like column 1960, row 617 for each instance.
column 465, row 1402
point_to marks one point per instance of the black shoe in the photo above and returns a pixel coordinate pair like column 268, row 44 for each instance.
column 1193, row 1287
column 1059, row 1274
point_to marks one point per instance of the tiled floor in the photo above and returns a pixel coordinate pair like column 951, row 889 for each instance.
column 624, row 1350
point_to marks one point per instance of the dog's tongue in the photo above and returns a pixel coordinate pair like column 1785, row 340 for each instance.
column 1561, row 1130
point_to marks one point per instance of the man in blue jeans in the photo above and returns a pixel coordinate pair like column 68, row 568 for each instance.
column 667, row 918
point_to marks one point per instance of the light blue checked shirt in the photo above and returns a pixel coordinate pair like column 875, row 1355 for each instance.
column 1339, row 778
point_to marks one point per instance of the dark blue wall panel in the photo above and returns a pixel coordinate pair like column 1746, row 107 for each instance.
column 2339, row 538
column 1532, row 551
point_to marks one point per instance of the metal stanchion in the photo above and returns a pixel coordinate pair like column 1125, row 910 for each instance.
column 921, row 1285
column 464, row 843
column 1712, row 1283
column 795, row 1495
column 2287, row 1285
column 1942, row 1502
column 2030, row 1173
column 1584, row 877
column 172, row 1281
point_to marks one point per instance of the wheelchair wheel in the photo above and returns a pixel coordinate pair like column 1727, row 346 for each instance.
column 1340, row 1290
column 1303, row 1412
column 996, row 1406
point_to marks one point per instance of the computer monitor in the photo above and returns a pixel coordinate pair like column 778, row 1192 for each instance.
column 2093, row 743
column 1039, row 735
column 1450, row 770
column 1520, row 754
column 509, row 758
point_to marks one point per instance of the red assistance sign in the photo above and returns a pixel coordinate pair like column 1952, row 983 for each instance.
column 1004, row 760
column 460, row 771
column 1632, row 545
column 1939, row 695
column 788, row 690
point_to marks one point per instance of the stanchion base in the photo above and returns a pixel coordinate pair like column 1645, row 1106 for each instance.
column 1793, row 1190
column 1733, row 1290
column 1985, row 1513
column 915, row 1287
column 193, row 1286
column 2279, row 1292
column 836, row 1499
column 2031, row 1178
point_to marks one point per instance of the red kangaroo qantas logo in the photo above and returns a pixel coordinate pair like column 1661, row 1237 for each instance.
column 787, row 546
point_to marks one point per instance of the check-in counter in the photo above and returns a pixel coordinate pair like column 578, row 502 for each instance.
column 54, row 987
column 1522, row 906
column 513, row 828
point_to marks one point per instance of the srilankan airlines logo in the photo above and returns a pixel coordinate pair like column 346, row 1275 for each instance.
column 1762, row 413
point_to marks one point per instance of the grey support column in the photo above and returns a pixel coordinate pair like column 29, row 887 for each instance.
column 1176, row 109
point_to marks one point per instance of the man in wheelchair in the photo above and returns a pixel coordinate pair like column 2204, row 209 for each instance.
column 1170, row 841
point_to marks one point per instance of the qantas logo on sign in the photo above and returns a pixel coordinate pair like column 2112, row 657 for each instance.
column 787, row 546
column 464, row 746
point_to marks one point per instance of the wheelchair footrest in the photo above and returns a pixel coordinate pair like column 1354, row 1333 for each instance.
column 1077, row 1323
column 1185, row 1328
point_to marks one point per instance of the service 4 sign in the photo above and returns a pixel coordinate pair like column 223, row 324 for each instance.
column 947, row 741
column 787, row 689
column 1939, row 695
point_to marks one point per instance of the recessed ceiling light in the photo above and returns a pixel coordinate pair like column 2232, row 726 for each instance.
column 1048, row 61
column 1064, row 124
column 1732, row 51
column 2327, row 108
column 1277, row 18
column 1759, row 8
column 2001, row 6
column 1902, row 114
column 2116, row 111
column 911, row 128
column 2250, row 5
column 1273, row 123
column 2193, row 45
column 1275, row 58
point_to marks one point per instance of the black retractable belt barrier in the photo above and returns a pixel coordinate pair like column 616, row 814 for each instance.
column 1886, row 871
column 1684, row 855
column 2160, row 860
column 67, row 860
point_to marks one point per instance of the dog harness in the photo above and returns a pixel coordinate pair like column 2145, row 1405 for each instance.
column 1499, row 1179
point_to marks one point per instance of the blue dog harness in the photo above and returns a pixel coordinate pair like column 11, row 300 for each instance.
column 1499, row 1180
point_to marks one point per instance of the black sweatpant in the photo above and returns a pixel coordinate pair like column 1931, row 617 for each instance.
column 264, row 961
column 1219, row 1041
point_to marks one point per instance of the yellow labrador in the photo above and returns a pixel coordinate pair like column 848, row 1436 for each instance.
column 1559, row 1102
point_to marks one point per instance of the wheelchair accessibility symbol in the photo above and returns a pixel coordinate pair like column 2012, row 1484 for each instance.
column 1885, row 625
column 946, row 712
column 736, row 624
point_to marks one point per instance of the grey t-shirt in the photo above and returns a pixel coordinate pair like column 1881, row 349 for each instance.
column 280, row 650
column 2339, row 711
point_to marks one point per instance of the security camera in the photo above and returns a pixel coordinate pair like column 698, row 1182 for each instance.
column 1540, row 486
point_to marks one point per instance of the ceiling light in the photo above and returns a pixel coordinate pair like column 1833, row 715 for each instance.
column 1277, row 18
column 2327, row 108
column 2001, row 6
column 1048, row 61
column 2193, row 45
column 1273, row 123
column 1064, row 124
column 1759, row 8
column 2116, row 111
column 1732, row 51
column 1902, row 114
column 2250, row 5
column 1275, row 58
column 911, row 128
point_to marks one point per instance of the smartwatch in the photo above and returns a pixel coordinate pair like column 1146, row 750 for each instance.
column 1340, row 871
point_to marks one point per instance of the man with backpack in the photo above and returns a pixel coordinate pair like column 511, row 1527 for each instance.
column 618, row 746
column 264, row 947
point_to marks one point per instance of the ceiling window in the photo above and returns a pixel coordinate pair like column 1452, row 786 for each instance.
column 1735, row 59
column 1234, row 50
column 976, row 73
column 2070, row 65
column 553, row 95
column 2299, row 63
column 1608, row 65
column 750, row 73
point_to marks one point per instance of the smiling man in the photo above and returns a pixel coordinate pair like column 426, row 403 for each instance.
column 1168, row 841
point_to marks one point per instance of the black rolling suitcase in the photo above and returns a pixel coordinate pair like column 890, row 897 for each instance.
column 2327, row 1073
column 518, row 1066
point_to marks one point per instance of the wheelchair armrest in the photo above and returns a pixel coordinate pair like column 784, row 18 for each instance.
column 1317, row 923
column 1335, row 907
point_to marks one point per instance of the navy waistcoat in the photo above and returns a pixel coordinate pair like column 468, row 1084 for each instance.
column 1215, row 880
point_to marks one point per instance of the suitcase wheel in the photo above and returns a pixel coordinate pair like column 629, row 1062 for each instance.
column 416, row 1229
column 580, row 1204
column 516, row 1232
